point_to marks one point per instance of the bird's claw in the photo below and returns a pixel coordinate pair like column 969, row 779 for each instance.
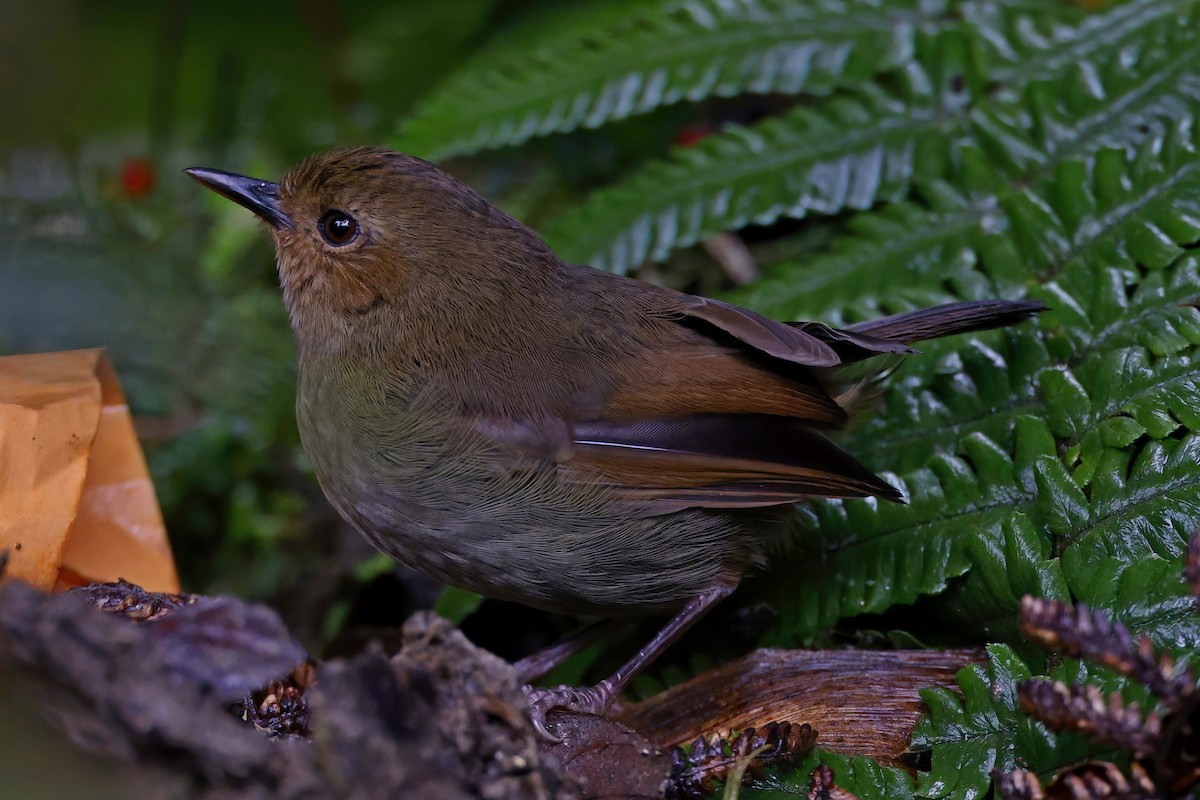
column 580, row 700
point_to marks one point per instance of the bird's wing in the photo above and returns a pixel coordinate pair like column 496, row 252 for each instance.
column 809, row 344
column 698, row 423
column 698, row 375
column 716, row 461
column 725, row 413
column 725, row 410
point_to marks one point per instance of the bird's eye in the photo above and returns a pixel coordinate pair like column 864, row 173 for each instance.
column 338, row 228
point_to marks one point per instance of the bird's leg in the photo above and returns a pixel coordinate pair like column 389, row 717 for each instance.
column 538, row 664
column 597, row 699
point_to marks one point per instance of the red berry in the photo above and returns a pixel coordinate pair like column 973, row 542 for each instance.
column 137, row 177
column 692, row 135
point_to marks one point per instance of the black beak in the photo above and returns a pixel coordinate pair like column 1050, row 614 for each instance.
column 261, row 197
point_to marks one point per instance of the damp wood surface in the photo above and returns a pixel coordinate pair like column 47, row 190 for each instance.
column 861, row 702
column 212, row 697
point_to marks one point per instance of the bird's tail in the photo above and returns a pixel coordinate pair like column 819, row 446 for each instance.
column 857, row 386
column 948, row 320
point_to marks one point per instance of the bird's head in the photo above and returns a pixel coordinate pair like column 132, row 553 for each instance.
column 357, row 230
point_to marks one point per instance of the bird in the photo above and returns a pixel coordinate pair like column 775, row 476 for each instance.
column 545, row 432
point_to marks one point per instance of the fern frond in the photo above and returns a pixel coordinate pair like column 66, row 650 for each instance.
column 971, row 731
column 613, row 60
column 850, row 153
column 809, row 160
column 931, row 249
column 1089, row 430
column 1025, row 43
column 1137, row 85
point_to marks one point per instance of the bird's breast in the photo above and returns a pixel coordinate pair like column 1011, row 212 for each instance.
column 448, row 495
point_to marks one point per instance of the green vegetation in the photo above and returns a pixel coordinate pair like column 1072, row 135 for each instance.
column 875, row 156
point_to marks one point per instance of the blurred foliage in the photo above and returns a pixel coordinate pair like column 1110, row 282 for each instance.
column 871, row 156
column 104, row 243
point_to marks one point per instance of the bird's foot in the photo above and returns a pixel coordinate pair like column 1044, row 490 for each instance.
column 580, row 700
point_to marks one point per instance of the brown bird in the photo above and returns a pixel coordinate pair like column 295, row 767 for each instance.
column 544, row 432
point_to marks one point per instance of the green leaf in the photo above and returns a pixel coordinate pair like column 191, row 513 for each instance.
column 1073, row 422
column 959, row 239
column 1142, row 503
column 981, row 728
column 605, row 61
column 972, row 734
column 1006, row 567
column 1121, row 75
column 457, row 604
column 850, row 152
column 1062, row 505
column 859, row 558
column 827, row 157
column 1147, row 594
column 862, row 777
